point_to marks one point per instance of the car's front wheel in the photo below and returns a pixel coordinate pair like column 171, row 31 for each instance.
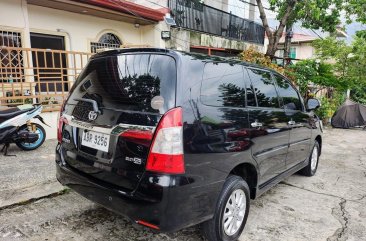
column 231, row 211
column 311, row 168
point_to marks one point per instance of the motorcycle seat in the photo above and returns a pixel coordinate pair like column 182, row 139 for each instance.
column 8, row 113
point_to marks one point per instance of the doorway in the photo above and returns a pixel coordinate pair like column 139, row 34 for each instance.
column 50, row 67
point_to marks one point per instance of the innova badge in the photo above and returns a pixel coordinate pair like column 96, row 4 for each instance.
column 92, row 115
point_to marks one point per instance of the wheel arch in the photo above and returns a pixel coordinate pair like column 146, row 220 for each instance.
column 249, row 173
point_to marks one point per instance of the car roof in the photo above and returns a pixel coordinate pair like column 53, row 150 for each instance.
column 203, row 57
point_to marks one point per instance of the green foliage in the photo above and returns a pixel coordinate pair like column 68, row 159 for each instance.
column 356, row 10
column 358, row 94
column 315, row 14
column 302, row 74
column 361, row 34
column 349, row 64
column 330, row 105
column 310, row 71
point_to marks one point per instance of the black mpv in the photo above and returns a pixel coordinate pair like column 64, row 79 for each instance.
column 171, row 139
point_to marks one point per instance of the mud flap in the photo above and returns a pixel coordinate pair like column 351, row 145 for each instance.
column 41, row 120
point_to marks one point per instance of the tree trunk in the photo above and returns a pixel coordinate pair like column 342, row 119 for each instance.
column 271, row 50
column 286, row 54
column 275, row 36
column 270, row 47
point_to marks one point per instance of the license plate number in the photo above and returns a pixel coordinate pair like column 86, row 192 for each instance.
column 95, row 140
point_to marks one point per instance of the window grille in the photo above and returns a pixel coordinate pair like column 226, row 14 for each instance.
column 10, row 39
column 11, row 59
column 107, row 41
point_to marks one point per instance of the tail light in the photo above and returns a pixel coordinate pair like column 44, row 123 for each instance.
column 137, row 134
column 61, row 121
column 166, row 151
column 140, row 137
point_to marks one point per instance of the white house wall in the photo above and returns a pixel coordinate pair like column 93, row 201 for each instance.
column 151, row 35
column 304, row 51
column 82, row 28
column 11, row 14
column 223, row 4
column 17, row 15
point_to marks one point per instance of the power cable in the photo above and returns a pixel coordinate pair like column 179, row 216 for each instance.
column 316, row 33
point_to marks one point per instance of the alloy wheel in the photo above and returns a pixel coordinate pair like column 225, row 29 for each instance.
column 314, row 158
column 234, row 212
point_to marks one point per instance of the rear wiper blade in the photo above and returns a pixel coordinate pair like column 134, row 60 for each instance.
column 93, row 102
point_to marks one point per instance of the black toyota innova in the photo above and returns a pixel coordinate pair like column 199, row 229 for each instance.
column 172, row 139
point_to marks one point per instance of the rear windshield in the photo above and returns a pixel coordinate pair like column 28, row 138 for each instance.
column 128, row 82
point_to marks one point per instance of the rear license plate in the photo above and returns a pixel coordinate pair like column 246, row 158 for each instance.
column 95, row 140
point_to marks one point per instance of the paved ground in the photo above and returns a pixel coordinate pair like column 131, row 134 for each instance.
column 329, row 206
column 29, row 174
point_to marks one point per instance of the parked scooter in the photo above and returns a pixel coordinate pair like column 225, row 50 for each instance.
column 16, row 126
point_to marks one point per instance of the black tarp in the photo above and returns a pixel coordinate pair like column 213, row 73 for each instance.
column 350, row 114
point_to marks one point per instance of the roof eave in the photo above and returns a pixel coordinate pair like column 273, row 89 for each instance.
column 129, row 8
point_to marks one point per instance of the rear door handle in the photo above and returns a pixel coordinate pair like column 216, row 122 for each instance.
column 256, row 124
column 291, row 122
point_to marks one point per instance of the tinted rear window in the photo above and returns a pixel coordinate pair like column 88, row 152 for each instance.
column 264, row 88
column 129, row 81
column 223, row 85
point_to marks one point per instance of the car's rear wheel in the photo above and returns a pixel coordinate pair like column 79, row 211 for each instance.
column 311, row 168
column 231, row 211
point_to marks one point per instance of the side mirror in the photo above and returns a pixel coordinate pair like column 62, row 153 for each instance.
column 313, row 104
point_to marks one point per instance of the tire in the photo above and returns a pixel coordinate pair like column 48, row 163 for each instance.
column 311, row 168
column 32, row 146
column 214, row 229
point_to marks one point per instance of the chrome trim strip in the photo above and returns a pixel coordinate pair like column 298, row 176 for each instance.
column 299, row 142
column 263, row 153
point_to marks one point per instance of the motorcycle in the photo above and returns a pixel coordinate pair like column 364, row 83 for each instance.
column 16, row 126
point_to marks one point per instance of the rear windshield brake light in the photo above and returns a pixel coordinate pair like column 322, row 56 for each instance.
column 137, row 134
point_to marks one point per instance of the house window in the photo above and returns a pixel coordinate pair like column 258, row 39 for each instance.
column 280, row 53
column 107, row 41
column 10, row 39
column 11, row 58
column 292, row 53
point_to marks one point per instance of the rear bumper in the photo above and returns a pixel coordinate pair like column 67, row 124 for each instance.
column 165, row 201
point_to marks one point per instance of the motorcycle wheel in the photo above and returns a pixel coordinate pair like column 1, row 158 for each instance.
column 26, row 146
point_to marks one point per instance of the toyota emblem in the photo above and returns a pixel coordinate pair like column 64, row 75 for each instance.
column 92, row 115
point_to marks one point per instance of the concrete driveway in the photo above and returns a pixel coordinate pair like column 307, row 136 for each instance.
column 329, row 206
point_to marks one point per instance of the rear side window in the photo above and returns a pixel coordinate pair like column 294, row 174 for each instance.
column 129, row 81
column 289, row 95
column 223, row 85
column 263, row 88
